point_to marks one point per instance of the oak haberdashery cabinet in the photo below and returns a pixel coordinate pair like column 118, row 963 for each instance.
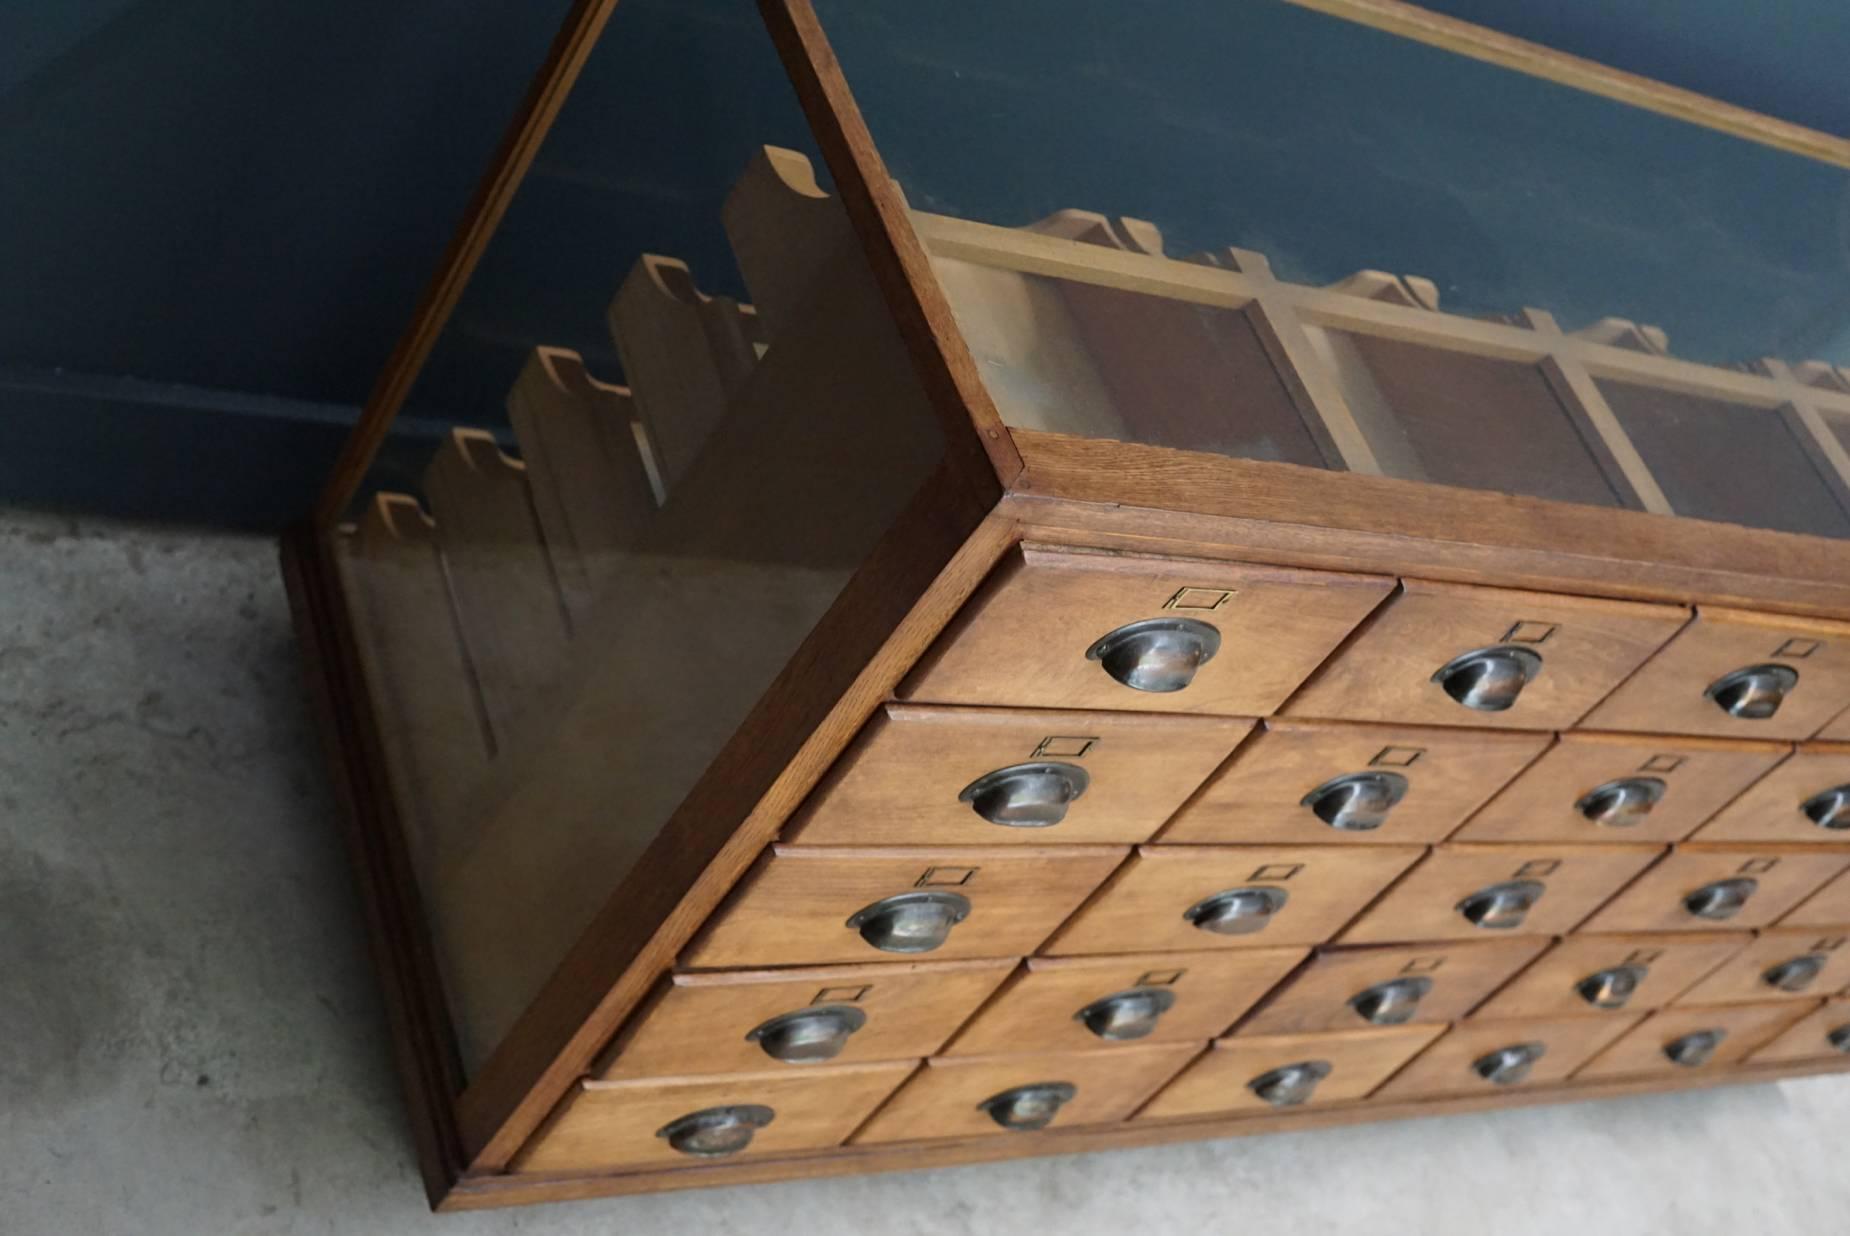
column 938, row 669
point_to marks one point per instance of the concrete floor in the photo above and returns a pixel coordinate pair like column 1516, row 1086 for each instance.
column 190, row 1042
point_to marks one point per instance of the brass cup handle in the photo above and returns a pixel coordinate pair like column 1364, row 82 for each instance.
column 1026, row 795
column 1291, row 1085
column 1126, row 1015
column 1693, row 1050
column 1392, row 1003
column 1030, row 1107
column 1160, row 655
column 1509, row 1066
column 1754, row 693
column 808, row 1036
column 1613, row 987
column 716, row 1132
column 1795, row 973
column 1502, row 907
column 910, row 922
column 1357, row 802
column 1722, row 899
column 1489, row 679
column 1829, row 809
column 1237, row 911
column 1839, row 1039
column 1623, row 803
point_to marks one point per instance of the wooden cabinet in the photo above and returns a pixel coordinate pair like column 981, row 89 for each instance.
column 1806, row 799
column 1272, row 1073
column 1353, row 988
column 1609, row 976
column 1715, row 888
column 1683, row 1040
column 1781, row 964
column 1491, row 1057
column 1820, row 1035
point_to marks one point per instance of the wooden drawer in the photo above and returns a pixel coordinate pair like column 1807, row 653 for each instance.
column 1319, row 781
column 1805, row 799
column 1459, row 1062
column 1781, row 877
column 1679, row 692
column 1781, row 964
column 1828, row 907
column 956, row 1096
column 607, row 1125
column 806, row 905
column 989, row 776
column 1229, row 1077
column 1838, row 730
column 1823, row 1034
column 1578, row 976
column 1745, row 1028
column 1153, row 902
column 1562, row 884
column 1608, row 787
column 1036, row 633
column 1067, row 1003
column 741, row 1021
column 1352, row 988
column 1396, row 668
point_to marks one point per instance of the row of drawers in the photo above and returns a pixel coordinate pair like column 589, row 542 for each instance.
column 1065, row 628
column 933, row 775
column 809, row 906
column 686, row 1120
column 741, row 1021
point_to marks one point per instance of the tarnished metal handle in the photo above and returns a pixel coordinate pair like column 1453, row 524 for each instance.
column 1357, row 802
column 1694, row 1050
column 1030, row 1107
column 1292, row 1084
column 1392, row 1003
column 1829, row 808
column 1026, row 795
column 1839, row 1039
column 1502, row 907
column 1795, row 973
column 1509, row 1066
column 1722, row 899
column 1754, row 693
column 716, row 1132
column 1623, row 803
column 1489, row 679
column 1613, row 987
column 808, row 1036
column 1158, row 654
column 910, row 922
column 1126, row 1015
column 1237, row 911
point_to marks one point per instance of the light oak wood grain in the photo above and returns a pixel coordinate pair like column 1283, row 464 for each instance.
column 1259, row 795
column 1037, row 1009
column 942, row 1099
column 1700, row 776
column 1784, row 876
column 1672, row 964
column 1221, row 1080
column 900, row 784
column 1748, row 1027
column 1838, row 730
column 1828, row 907
column 1318, row 998
column 1743, row 979
column 1772, row 808
column 785, row 231
column 698, row 1023
column 1145, row 903
column 1445, row 1068
column 1809, row 1037
column 1023, row 640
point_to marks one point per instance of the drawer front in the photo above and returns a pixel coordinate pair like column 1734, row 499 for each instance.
column 742, row 1021
column 1454, row 654
column 1820, row 1035
column 974, row 1096
column 1828, row 907
column 685, row 1122
column 1491, row 1057
column 1080, row 1003
column 1057, row 628
column 1740, row 674
column 809, row 905
column 1612, row 976
column 1470, row 892
column 1781, row 964
column 1192, row 897
column 996, row 776
column 1268, row 1073
column 1355, row 988
column 1298, row 782
column 1605, row 787
column 1804, row 800
column 1838, row 730
column 1703, row 888
column 1681, row 1040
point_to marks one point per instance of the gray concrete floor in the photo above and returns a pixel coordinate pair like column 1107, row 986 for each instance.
column 190, row 1042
